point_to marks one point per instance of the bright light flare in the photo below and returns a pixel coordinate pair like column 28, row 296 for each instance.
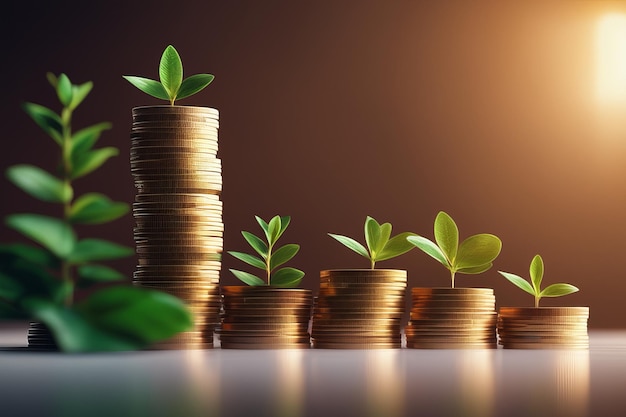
column 611, row 59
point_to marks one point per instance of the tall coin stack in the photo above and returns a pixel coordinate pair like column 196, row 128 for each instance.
column 265, row 318
column 359, row 309
column 178, row 212
column 452, row 318
column 543, row 327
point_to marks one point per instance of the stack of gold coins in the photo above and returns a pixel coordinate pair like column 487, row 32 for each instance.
column 265, row 318
column 359, row 309
column 452, row 318
column 543, row 327
column 178, row 212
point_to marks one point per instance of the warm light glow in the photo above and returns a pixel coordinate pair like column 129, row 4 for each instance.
column 611, row 59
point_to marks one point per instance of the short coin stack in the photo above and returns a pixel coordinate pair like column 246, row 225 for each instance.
column 452, row 318
column 359, row 309
column 543, row 327
column 265, row 318
column 178, row 212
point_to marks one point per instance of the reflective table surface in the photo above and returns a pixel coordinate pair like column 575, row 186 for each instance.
column 280, row 383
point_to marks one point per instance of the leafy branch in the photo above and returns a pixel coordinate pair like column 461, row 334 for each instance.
column 270, row 257
column 380, row 245
column 534, row 287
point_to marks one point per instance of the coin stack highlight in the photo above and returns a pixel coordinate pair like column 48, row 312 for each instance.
column 178, row 212
column 452, row 318
column 265, row 318
column 359, row 309
column 543, row 327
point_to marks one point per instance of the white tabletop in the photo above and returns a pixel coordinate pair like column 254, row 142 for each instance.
column 326, row 383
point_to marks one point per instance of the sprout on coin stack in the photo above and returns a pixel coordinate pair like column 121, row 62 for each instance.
column 542, row 327
column 363, row 308
column 454, row 317
column 267, row 313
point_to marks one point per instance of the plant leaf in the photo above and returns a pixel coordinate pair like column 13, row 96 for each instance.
column 92, row 160
column 283, row 254
column 372, row 235
column 96, row 208
column 53, row 234
column 447, row 236
column 476, row 269
column 557, row 290
column 99, row 273
column 39, row 183
column 351, row 244
column 171, row 72
column 30, row 270
column 536, row 273
column 46, row 119
column 257, row 244
column 52, row 79
column 396, row 246
column 64, row 90
column 430, row 248
column 31, row 254
column 192, row 85
column 84, row 139
column 263, row 224
column 477, row 250
column 79, row 93
column 286, row 277
column 247, row 278
column 249, row 259
column 385, row 234
column 273, row 230
column 284, row 223
column 148, row 86
column 10, row 288
column 89, row 250
column 519, row 282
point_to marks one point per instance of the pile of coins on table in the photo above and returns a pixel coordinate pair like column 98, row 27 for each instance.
column 178, row 212
column 543, row 327
column 265, row 318
column 359, row 309
column 452, row 318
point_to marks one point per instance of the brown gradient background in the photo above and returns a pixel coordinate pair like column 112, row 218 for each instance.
column 334, row 110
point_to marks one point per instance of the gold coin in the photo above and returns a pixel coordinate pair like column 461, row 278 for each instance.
column 449, row 291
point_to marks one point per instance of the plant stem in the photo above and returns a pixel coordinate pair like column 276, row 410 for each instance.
column 267, row 263
column 537, row 301
column 373, row 262
column 66, row 167
column 452, row 273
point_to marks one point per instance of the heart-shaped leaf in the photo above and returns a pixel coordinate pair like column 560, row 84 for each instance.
column 247, row 278
column 53, row 234
column 40, row 184
column 447, row 235
column 477, row 250
column 287, row 277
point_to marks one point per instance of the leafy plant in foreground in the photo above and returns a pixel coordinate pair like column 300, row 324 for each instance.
column 380, row 245
column 38, row 281
column 534, row 287
column 171, row 86
column 270, row 257
column 473, row 256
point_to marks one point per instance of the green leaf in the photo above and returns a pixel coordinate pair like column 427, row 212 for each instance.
column 46, row 119
column 95, row 208
column 31, row 271
column 286, row 277
column 247, row 278
column 257, row 244
column 148, row 86
column 31, row 254
column 99, row 273
column 192, row 85
column 273, row 230
column 171, row 72
column 283, row 254
column 64, row 90
column 396, row 246
column 476, row 269
column 385, row 234
column 79, row 93
column 429, row 247
column 351, row 244
column 372, row 235
column 477, row 250
column 84, row 139
column 39, row 183
column 557, row 290
column 249, row 259
column 52, row 79
column 447, row 236
column 10, row 288
column 536, row 273
column 53, row 234
column 263, row 224
column 519, row 282
column 284, row 223
column 92, row 160
column 89, row 250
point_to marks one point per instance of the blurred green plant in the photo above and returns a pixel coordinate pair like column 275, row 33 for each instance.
column 380, row 245
column 270, row 258
column 473, row 256
column 38, row 282
column 534, row 287
column 171, row 86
